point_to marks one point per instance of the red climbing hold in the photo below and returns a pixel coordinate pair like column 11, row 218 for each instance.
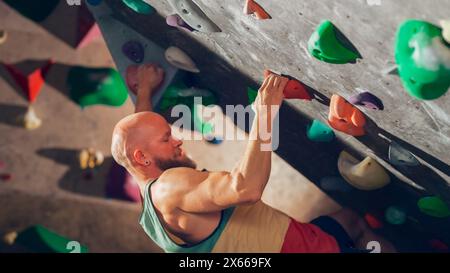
column 373, row 221
column 5, row 176
column 293, row 90
column 438, row 246
column 30, row 83
column 251, row 7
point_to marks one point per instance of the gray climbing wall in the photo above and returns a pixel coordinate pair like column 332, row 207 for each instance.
column 235, row 58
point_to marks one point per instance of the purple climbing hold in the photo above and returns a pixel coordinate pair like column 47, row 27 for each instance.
column 367, row 100
column 134, row 50
column 175, row 20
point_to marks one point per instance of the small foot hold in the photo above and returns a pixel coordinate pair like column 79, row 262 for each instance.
column 175, row 20
column 3, row 36
column 134, row 51
column 180, row 59
column 368, row 100
column 251, row 7
column 433, row 206
column 319, row 132
column 395, row 215
column 399, row 156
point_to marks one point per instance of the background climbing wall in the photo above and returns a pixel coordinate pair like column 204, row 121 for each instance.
column 236, row 57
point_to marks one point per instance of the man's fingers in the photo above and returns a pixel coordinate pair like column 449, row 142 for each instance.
column 271, row 83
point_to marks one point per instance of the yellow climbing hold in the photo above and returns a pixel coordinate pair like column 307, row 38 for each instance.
column 30, row 120
column 445, row 24
column 90, row 158
column 365, row 175
column 3, row 36
column 9, row 238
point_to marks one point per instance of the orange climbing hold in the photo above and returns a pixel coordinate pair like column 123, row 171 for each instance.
column 293, row 90
column 345, row 117
column 251, row 7
column 30, row 83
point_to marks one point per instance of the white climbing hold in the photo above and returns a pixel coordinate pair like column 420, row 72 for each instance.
column 445, row 24
column 9, row 238
column 30, row 120
column 180, row 59
column 3, row 36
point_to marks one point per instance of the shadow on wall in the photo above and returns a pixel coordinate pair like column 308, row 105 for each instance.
column 231, row 86
column 108, row 180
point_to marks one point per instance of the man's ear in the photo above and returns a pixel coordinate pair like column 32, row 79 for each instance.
column 141, row 159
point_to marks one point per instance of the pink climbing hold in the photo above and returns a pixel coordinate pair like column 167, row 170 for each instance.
column 175, row 20
column 6, row 177
column 87, row 28
column 121, row 185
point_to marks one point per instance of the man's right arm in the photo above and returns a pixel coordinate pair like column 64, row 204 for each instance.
column 201, row 192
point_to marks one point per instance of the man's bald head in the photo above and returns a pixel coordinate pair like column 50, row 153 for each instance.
column 142, row 142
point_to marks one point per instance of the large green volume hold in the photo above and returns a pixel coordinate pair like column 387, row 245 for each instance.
column 91, row 86
column 423, row 59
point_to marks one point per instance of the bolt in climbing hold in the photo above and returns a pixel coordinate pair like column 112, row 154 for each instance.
column 91, row 86
column 175, row 20
column 335, row 184
column 139, row 6
column 423, row 59
column 3, row 36
column 445, row 24
column 364, row 175
column 329, row 45
column 345, row 117
column 433, row 206
column 251, row 7
column 180, row 59
column 320, row 132
column 193, row 15
column 399, row 156
column 368, row 100
column 30, row 83
column 395, row 215
column 42, row 240
column 134, row 50
column 293, row 90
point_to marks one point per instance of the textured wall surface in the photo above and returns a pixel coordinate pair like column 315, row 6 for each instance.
column 235, row 58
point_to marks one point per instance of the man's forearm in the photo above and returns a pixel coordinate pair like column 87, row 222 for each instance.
column 144, row 101
column 255, row 165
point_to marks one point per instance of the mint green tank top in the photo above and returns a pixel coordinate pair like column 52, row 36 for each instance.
column 154, row 229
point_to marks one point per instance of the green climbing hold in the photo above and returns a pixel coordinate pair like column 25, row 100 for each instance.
column 251, row 94
column 434, row 206
column 423, row 59
column 180, row 94
column 42, row 240
column 395, row 215
column 319, row 131
column 139, row 6
column 90, row 86
column 202, row 126
column 329, row 45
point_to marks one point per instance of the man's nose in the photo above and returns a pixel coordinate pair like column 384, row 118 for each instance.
column 177, row 142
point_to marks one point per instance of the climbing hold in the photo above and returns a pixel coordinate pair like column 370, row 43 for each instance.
column 320, row 132
column 251, row 94
column 90, row 158
column 139, row 6
column 90, row 86
column 445, row 24
column 395, row 215
column 6, row 176
column 367, row 100
column 175, row 20
column 345, row 117
column 180, row 59
column 34, row 10
column 134, row 50
column 329, row 45
column 293, row 90
column 204, row 124
column 215, row 141
column 121, row 185
column 193, row 15
column 42, row 240
column 365, row 175
column 251, row 7
column 31, row 83
column 30, row 120
column 87, row 29
column 433, row 206
column 3, row 36
column 180, row 94
column 9, row 238
column 438, row 246
column 373, row 221
column 423, row 59
column 335, row 184
column 399, row 156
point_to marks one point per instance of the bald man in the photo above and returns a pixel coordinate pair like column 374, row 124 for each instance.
column 188, row 210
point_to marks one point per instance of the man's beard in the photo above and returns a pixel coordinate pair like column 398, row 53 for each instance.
column 165, row 164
